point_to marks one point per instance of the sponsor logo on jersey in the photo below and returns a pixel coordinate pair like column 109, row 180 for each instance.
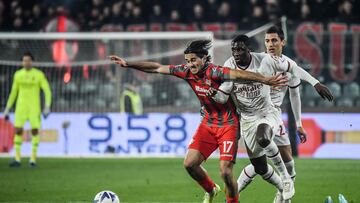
column 248, row 90
column 200, row 89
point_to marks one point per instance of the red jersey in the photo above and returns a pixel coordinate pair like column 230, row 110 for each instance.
column 213, row 113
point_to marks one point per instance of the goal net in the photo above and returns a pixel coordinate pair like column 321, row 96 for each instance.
column 81, row 77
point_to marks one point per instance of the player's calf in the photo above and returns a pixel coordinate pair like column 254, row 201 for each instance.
column 226, row 173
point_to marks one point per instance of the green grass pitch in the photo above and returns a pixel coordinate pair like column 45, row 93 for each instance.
column 163, row 180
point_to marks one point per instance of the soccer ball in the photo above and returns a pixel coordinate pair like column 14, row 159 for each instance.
column 106, row 196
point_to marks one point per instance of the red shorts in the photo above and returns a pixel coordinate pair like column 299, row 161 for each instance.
column 207, row 139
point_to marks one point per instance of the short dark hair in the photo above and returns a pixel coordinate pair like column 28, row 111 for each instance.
column 29, row 55
column 200, row 48
column 277, row 30
column 241, row 38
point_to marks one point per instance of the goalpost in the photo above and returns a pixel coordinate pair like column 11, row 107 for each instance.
column 83, row 79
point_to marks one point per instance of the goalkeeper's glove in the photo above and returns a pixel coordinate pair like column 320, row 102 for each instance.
column 46, row 111
column 6, row 114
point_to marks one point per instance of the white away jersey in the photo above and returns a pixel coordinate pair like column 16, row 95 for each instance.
column 251, row 98
column 274, row 65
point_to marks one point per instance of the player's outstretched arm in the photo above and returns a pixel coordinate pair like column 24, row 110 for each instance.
column 277, row 80
column 321, row 89
column 145, row 66
column 324, row 91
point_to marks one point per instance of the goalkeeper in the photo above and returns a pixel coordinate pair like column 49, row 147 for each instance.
column 26, row 91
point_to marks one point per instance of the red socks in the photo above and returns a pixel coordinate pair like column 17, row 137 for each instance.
column 207, row 184
column 232, row 199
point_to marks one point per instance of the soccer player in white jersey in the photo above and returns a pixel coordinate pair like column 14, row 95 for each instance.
column 244, row 59
column 259, row 117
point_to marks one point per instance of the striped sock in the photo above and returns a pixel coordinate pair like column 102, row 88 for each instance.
column 272, row 152
column 35, row 144
column 246, row 176
column 273, row 178
column 290, row 166
column 17, row 143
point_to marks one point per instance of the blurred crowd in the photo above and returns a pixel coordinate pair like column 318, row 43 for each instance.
column 91, row 15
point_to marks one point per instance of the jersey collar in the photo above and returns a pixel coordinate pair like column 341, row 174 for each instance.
column 245, row 67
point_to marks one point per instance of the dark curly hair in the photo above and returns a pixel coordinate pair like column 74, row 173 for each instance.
column 200, row 48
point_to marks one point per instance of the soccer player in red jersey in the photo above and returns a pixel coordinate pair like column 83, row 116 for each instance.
column 219, row 126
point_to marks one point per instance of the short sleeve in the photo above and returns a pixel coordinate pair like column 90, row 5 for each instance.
column 178, row 70
column 226, row 87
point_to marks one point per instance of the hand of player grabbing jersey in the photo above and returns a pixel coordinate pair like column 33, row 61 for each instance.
column 46, row 112
column 302, row 134
column 323, row 91
column 211, row 92
column 277, row 80
column 6, row 114
column 118, row 60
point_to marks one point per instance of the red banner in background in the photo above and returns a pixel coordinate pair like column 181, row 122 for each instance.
column 7, row 132
column 313, row 138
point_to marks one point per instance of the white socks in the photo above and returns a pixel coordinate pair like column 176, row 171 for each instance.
column 273, row 178
column 290, row 166
column 272, row 152
column 248, row 174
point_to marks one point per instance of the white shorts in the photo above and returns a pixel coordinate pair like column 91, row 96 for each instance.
column 281, row 137
column 249, row 127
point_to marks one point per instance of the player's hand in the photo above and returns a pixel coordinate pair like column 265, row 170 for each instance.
column 118, row 60
column 302, row 134
column 6, row 114
column 323, row 91
column 211, row 92
column 46, row 112
column 277, row 80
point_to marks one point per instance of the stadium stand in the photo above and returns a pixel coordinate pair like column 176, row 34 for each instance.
column 224, row 18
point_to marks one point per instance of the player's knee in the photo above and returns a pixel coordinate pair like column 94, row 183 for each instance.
column 263, row 135
column 263, row 141
column 261, row 169
column 189, row 165
column 226, row 174
column 34, row 131
column 19, row 131
column 226, row 171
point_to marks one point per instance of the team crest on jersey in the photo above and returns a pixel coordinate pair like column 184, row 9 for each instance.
column 208, row 82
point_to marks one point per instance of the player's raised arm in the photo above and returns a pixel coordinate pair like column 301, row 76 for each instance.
column 277, row 80
column 145, row 66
